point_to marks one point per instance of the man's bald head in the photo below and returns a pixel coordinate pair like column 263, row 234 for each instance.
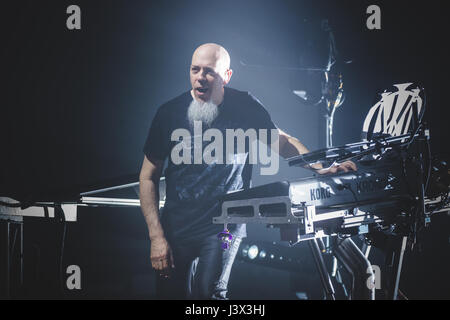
column 210, row 72
column 213, row 52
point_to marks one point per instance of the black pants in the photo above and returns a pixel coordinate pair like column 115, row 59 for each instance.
column 202, row 270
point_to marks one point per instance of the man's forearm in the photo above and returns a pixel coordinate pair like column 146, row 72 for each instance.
column 292, row 147
column 149, row 196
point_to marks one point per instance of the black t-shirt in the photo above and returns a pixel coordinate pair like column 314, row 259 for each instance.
column 193, row 190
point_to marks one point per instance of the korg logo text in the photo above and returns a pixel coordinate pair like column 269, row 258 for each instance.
column 320, row 193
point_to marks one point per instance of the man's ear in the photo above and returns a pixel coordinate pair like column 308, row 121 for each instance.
column 228, row 75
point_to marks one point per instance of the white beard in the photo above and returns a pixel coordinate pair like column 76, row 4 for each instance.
column 206, row 112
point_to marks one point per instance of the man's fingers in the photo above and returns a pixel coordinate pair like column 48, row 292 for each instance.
column 163, row 267
column 161, row 258
column 159, row 262
column 347, row 166
column 350, row 165
column 165, row 264
column 346, row 169
column 157, row 265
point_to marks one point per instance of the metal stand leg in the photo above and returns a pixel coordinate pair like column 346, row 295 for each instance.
column 10, row 280
column 336, row 274
column 21, row 255
column 394, row 262
column 365, row 249
column 358, row 266
column 320, row 264
column 399, row 268
column 8, row 261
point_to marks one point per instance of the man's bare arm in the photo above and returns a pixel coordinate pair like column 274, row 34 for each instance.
column 149, row 195
column 290, row 146
column 160, row 253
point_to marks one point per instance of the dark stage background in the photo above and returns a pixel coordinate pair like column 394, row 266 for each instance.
column 77, row 106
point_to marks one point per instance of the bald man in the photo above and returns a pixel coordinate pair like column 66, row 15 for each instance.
column 185, row 250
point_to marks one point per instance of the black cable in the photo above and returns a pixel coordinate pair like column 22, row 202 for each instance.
column 419, row 120
column 343, row 186
column 412, row 138
column 429, row 165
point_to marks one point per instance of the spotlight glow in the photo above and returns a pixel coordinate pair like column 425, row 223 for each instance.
column 253, row 252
